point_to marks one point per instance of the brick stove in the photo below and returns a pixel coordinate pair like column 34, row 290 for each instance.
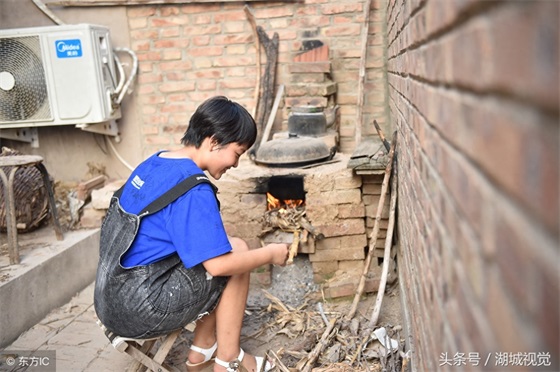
column 340, row 200
column 340, row 204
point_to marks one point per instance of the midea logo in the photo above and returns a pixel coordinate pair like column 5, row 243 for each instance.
column 62, row 47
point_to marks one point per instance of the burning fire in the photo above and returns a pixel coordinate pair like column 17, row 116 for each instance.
column 273, row 203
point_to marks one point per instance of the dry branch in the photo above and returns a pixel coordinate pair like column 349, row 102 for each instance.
column 387, row 253
column 375, row 232
column 289, row 219
column 323, row 342
column 381, row 135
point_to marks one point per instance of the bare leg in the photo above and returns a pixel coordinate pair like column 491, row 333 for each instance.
column 229, row 316
column 204, row 336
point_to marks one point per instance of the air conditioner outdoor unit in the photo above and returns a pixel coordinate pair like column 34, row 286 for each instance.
column 57, row 75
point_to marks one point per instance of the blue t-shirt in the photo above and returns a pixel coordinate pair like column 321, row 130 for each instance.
column 191, row 226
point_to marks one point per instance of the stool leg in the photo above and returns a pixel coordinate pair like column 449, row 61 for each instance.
column 11, row 226
column 52, row 203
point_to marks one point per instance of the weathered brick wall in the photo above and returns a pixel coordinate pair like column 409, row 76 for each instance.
column 474, row 90
column 190, row 52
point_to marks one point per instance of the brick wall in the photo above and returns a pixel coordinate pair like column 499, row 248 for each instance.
column 190, row 52
column 474, row 90
column 333, row 206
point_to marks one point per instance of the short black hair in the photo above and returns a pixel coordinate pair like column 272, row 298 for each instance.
column 224, row 120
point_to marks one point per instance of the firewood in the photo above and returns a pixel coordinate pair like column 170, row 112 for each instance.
column 387, row 255
column 323, row 342
column 293, row 248
column 312, row 230
column 375, row 232
column 289, row 219
column 381, row 135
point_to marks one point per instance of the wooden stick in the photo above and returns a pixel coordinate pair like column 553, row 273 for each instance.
column 272, row 116
column 386, row 257
column 375, row 232
column 278, row 362
column 362, row 73
column 253, row 23
column 387, row 252
column 319, row 347
column 381, row 135
column 310, row 228
column 293, row 248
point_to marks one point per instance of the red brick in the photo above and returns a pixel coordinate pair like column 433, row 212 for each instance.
column 176, row 86
column 338, row 254
column 140, row 11
column 309, row 67
column 344, row 227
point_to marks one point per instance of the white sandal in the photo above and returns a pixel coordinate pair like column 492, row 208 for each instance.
column 235, row 365
column 208, row 357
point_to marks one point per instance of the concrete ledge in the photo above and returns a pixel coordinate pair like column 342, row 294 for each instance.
column 50, row 274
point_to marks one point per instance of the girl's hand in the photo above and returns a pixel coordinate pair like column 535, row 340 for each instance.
column 279, row 253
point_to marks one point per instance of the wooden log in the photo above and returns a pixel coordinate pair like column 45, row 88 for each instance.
column 375, row 232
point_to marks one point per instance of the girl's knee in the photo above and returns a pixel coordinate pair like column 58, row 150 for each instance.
column 238, row 244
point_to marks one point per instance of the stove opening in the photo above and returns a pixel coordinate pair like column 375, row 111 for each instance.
column 285, row 192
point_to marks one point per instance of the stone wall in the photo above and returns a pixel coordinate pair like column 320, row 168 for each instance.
column 474, row 95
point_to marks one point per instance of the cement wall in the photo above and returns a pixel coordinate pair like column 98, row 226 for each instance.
column 49, row 277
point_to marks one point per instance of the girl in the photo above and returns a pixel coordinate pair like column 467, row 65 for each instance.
column 180, row 265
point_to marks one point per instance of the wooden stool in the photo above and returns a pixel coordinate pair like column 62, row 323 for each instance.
column 16, row 162
column 141, row 350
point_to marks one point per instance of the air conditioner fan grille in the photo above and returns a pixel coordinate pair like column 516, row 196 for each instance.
column 23, row 88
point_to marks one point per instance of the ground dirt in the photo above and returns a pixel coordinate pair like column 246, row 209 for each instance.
column 284, row 321
column 288, row 319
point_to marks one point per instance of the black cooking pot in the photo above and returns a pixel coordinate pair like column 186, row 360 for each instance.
column 294, row 151
column 307, row 121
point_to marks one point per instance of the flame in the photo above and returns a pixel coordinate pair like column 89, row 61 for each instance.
column 274, row 203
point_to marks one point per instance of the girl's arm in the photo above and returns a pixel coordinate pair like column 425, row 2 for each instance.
column 239, row 262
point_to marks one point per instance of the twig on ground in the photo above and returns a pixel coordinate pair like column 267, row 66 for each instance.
column 329, row 332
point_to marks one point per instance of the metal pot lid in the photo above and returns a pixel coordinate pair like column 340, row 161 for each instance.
column 294, row 150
